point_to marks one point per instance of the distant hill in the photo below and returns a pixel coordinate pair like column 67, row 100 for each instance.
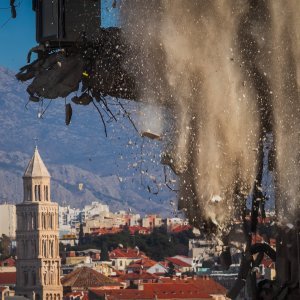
column 120, row 170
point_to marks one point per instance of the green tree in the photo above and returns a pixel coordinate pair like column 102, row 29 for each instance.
column 104, row 253
column 5, row 246
column 171, row 269
column 81, row 235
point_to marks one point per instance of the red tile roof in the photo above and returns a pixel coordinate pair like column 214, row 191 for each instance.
column 127, row 253
column 85, row 278
column 267, row 262
column 138, row 276
column 207, row 284
column 132, row 294
column 178, row 262
column 140, row 229
column 8, row 278
column 145, row 263
column 103, row 231
column 180, row 228
column 77, row 295
column 9, row 262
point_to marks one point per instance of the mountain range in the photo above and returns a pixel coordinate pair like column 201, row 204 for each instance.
column 122, row 170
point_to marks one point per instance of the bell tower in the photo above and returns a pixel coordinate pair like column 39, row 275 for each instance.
column 38, row 261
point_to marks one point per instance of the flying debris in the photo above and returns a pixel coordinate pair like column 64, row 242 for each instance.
column 84, row 99
column 151, row 135
column 166, row 159
column 68, row 111
column 216, row 199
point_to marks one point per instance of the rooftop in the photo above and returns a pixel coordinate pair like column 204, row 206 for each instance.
column 126, row 253
column 36, row 166
column 138, row 276
column 178, row 262
column 8, row 278
column 85, row 278
column 9, row 262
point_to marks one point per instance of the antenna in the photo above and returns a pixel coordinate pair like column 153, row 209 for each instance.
column 35, row 141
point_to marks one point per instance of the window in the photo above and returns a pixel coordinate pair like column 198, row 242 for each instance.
column 39, row 192
column 46, row 192
column 25, row 278
column 34, row 221
column 51, row 248
column 45, row 248
column 51, row 221
column 33, row 278
column 35, row 192
column 28, row 193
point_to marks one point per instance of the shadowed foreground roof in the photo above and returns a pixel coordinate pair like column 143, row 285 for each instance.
column 190, row 288
column 8, row 278
column 130, row 294
column 85, row 277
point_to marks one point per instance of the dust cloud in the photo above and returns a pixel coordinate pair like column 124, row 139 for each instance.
column 228, row 72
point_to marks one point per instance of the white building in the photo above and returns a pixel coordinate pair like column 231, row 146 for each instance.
column 94, row 209
column 173, row 222
column 68, row 218
column 8, row 220
column 158, row 268
column 202, row 250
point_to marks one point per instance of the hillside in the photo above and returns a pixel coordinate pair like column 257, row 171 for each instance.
column 109, row 168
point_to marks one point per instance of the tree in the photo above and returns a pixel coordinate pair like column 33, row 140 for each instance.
column 81, row 235
column 104, row 252
column 171, row 269
column 5, row 246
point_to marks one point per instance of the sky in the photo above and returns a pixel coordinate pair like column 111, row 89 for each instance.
column 17, row 36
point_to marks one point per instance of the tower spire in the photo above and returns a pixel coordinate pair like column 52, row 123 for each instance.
column 36, row 166
column 36, row 180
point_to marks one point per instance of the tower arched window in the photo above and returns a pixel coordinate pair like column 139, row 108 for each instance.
column 33, row 275
column 39, row 192
column 45, row 221
column 51, row 249
column 51, row 220
column 34, row 221
column 25, row 278
column 28, row 192
column 45, row 249
column 36, row 196
column 46, row 192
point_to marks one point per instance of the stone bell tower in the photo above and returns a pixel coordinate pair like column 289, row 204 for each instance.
column 38, row 261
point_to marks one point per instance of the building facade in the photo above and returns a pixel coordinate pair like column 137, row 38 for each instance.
column 8, row 221
column 38, row 261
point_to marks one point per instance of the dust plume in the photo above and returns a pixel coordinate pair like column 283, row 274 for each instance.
column 227, row 70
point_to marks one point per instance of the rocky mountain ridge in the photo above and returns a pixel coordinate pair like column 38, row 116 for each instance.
column 122, row 170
